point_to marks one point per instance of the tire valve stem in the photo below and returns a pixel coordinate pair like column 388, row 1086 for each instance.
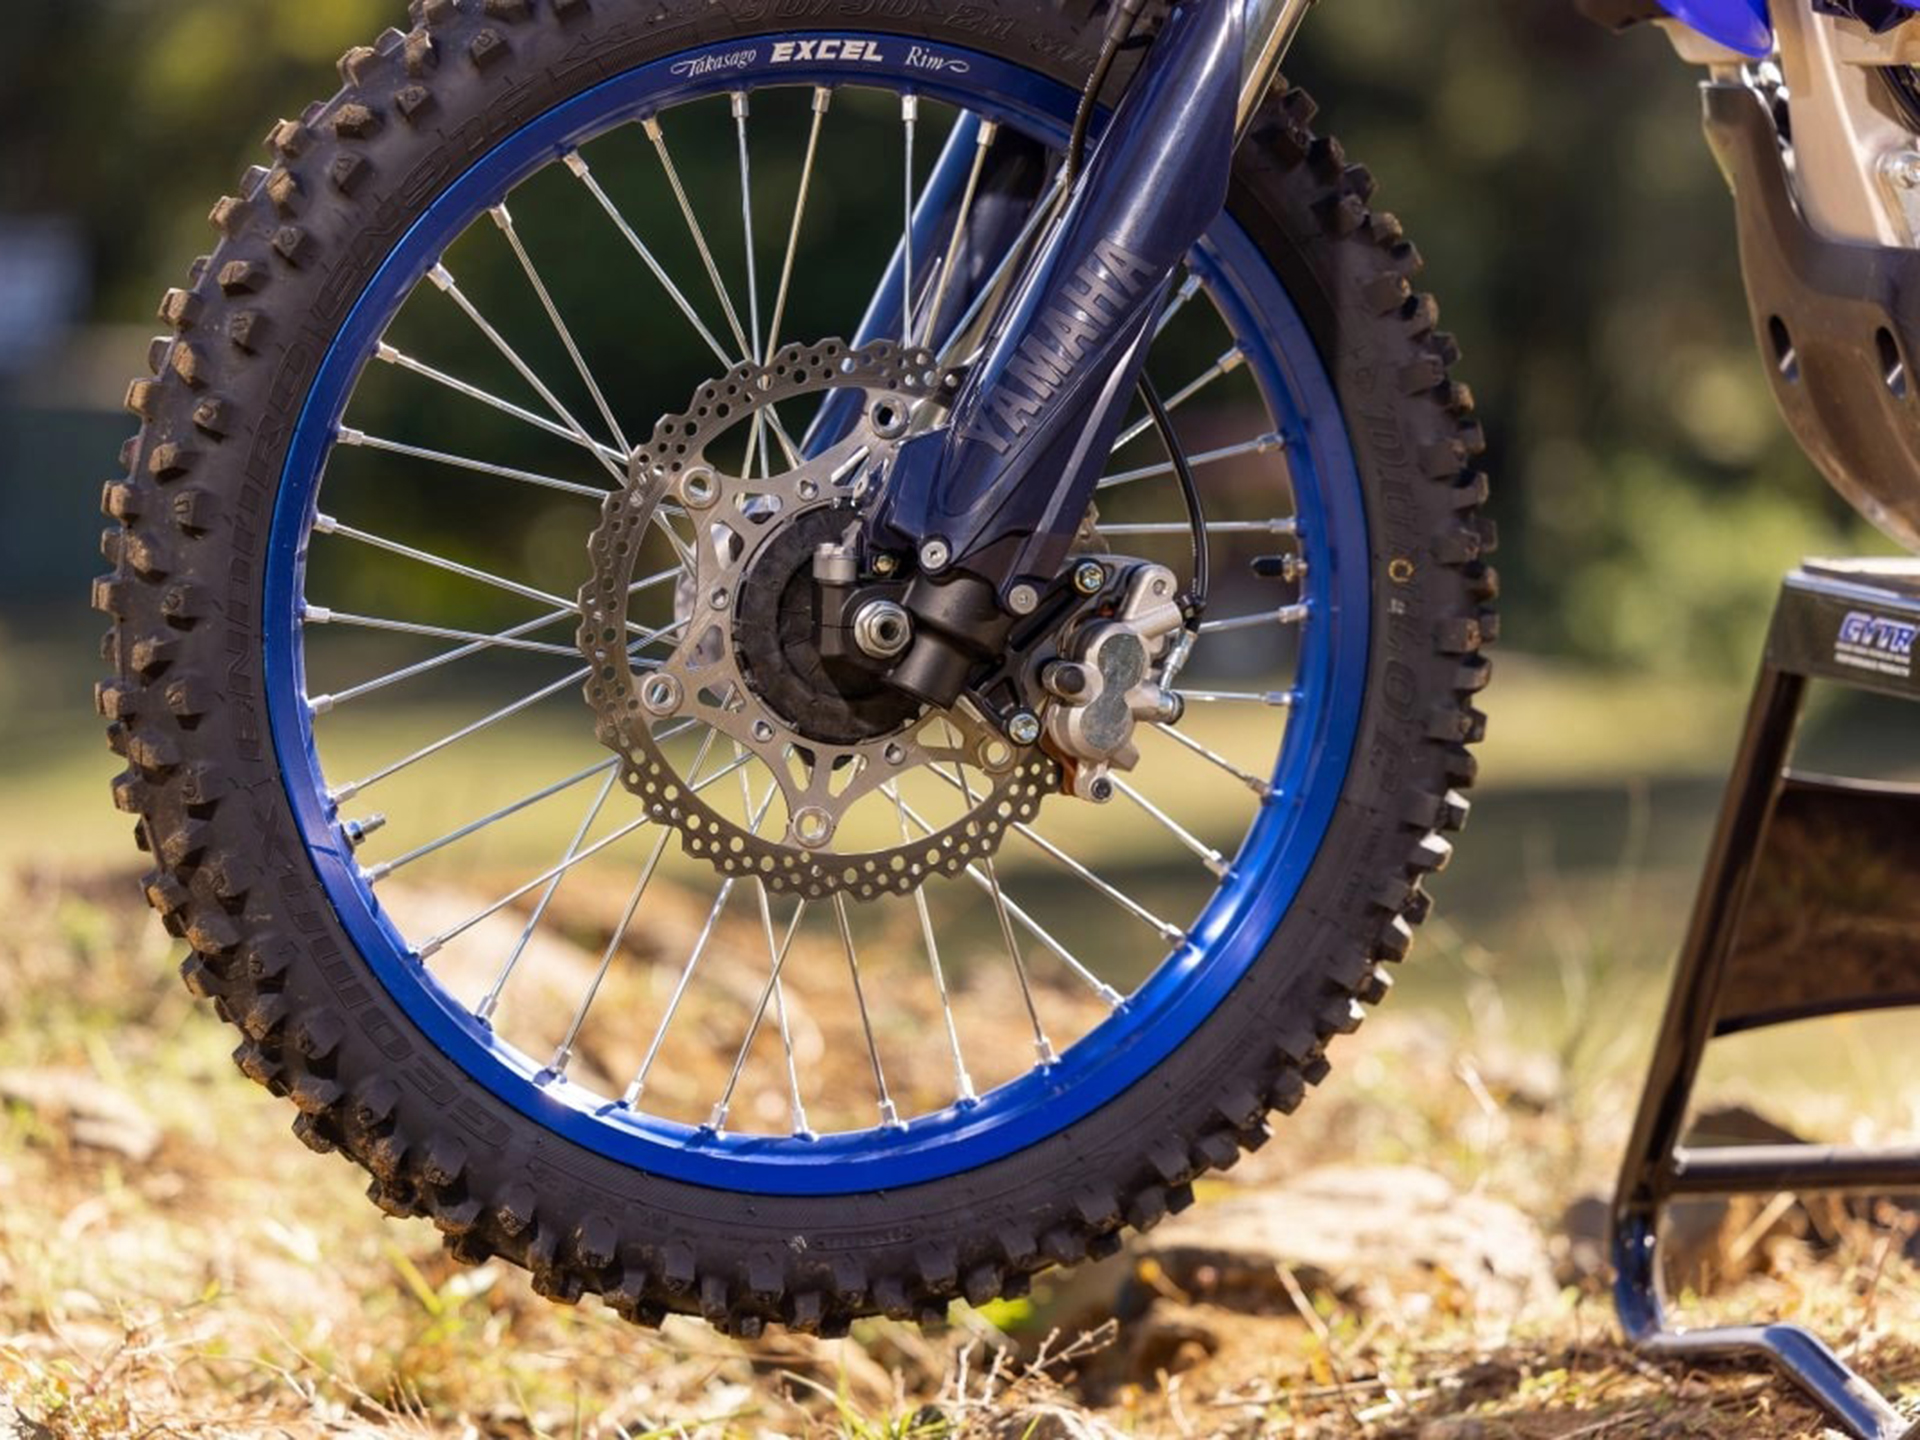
column 357, row 831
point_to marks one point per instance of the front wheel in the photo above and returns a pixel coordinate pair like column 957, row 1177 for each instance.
column 656, row 953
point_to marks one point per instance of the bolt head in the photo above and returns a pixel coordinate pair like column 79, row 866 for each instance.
column 1024, row 728
column 885, row 565
column 1023, row 599
column 1089, row 577
column 1100, row 791
column 935, row 554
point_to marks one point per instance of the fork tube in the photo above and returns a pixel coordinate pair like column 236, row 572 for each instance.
column 1270, row 26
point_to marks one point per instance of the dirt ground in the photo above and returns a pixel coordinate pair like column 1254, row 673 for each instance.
column 173, row 1262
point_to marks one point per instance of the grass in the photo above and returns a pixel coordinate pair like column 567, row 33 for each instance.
column 232, row 1282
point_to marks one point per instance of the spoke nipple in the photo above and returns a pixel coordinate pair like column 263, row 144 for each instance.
column 432, row 948
column 822, row 99
column 320, row 705
column 890, row 1117
column 576, row 162
column 909, row 107
column 359, row 830
column 502, row 217
column 1232, row 360
column 557, row 1067
column 386, row 352
column 378, row 872
column 346, row 435
column 324, row 524
column 740, row 106
column 1111, row 997
column 316, row 615
column 652, row 127
column 988, row 130
column 632, row 1097
column 717, row 1121
column 442, row 277
column 1043, row 1047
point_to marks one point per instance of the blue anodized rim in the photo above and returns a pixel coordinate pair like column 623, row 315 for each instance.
column 1223, row 942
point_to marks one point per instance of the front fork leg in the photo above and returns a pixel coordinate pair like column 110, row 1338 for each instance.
column 989, row 504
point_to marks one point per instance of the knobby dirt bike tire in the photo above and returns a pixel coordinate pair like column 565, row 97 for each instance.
column 186, row 705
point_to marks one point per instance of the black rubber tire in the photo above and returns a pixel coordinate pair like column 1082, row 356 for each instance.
column 186, row 702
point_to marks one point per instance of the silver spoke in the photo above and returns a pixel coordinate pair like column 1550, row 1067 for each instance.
column 484, row 467
column 1282, row 699
column 490, row 1002
column 1225, row 365
column 327, row 525
column 400, row 359
column 320, row 615
column 379, row 872
column 1259, row 445
column 822, row 99
column 1280, row 525
column 718, row 1120
column 612, row 460
column 578, row 166
column 962, row 1081
column 1284, row 615
column 1253, row 782
column 657, row 134
column 503, row 219
column 445, row 937
column 889, row 1116
column 757, row 437
column 465, row 732
column 909, row 122
column 1119, row 897
column 983, row 141
column 1043, row 1049
column 1208, row 856
column 1188, row 289
column 799, row 1111
column 989, row 885
column 1043, row 210
column 639, row 1085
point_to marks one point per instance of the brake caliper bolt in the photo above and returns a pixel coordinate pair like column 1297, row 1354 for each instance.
column 1100, row 791
column 1023, row 599
column 935, row 554
column 885, row 565
column 1089, row 577
column 1023, row 728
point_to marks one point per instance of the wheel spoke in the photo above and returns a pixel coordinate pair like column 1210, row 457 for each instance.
column 799, row 1124
column 962, row 1081
column 1281, row 525
column 983, row 141
column 1284, row 615
column 822, row 100
column 1208, row 856
column 889, row 1115
column 958, row 340
column 612, row 460
column 909, row 123
column 657, row 134
column 1253, row 782
column 385, row 868
column 718, row 1120
column 320, row 615
column 484, row 467
column 327, row 525
column 1259, row 445
column 490, row 1002
column 445, row 937
column 1225, row 365
column 1189, row 287
column 404, row 361
column 990, row 886
column 1119, row 897
column 504, row 220
column 1283, row 699
column 578, row 165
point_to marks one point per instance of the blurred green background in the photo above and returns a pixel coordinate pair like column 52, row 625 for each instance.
column 1576, row 232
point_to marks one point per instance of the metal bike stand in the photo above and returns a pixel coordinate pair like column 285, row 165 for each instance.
column 1852, row 623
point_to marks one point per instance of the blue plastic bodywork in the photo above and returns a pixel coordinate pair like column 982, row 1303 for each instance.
column 1737, row 24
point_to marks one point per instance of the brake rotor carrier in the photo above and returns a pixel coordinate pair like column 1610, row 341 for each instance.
column 733, row 521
